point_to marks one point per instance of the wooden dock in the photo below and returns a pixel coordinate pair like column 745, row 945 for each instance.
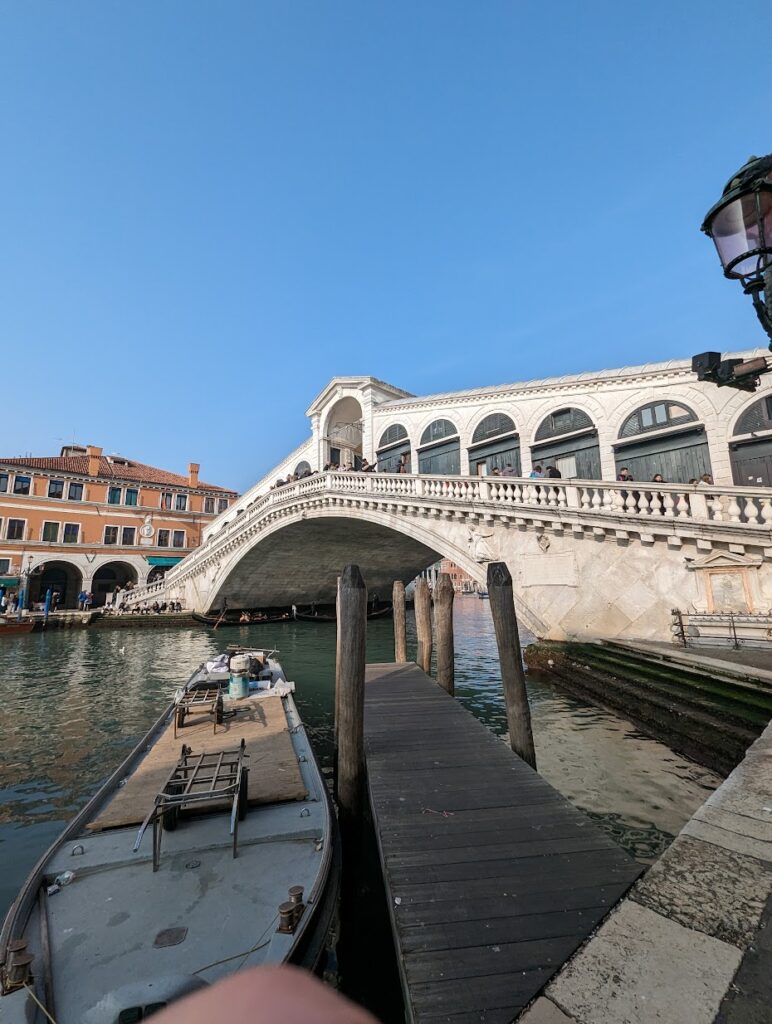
column 493, row 878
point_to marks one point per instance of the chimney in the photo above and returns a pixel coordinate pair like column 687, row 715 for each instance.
column 193, row 468
column 93, row 454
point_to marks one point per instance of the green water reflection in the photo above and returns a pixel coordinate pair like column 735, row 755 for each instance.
column 74, row 703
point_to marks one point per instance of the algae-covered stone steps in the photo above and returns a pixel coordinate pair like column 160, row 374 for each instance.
column 711, row 720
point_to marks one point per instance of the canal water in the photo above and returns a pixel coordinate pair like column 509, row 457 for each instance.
column 74, row 703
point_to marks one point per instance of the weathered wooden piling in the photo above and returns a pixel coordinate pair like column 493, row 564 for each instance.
column 400, row 634
column 350, row 696
column 443, row 627
column 502, row 604
column 337, row 689
column 423, row 624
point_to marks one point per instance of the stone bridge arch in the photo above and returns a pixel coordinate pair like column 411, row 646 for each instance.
column 297, row 557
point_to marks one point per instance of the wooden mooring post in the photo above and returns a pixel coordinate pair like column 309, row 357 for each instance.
column 502, row 604
column 443, row 627
column 350, row 695
column 423, row 624
column 400, row 632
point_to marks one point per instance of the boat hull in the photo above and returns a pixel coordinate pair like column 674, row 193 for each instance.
column 214, row 620
column 12, row 628
column 122, row 935
column 382, row 613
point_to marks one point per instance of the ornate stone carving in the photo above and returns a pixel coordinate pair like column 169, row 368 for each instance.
column 479, row 547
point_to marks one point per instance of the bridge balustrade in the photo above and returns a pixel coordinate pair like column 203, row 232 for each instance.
column 633, row 500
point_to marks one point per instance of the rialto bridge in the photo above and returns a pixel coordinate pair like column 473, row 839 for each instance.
column 589, row 556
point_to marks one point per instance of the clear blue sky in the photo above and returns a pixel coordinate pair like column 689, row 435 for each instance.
column 209, row 209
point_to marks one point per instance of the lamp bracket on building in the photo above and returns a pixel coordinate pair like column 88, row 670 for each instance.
column 742, row 374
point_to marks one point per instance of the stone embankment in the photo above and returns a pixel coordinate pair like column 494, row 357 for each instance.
column 79, row 620
column 692, row 941
column 708, row 710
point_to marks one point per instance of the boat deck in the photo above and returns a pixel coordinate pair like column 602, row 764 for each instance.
column 118, row 936
column 494, row 879
column 274, row 774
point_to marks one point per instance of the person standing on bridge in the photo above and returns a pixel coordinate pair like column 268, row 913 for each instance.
column 536, row 473
column 403, row 466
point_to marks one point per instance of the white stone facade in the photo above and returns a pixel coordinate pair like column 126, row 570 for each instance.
column 608, row 397
column 589, row 558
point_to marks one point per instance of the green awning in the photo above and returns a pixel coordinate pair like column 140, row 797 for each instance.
column 164, row 559
column 9, row 581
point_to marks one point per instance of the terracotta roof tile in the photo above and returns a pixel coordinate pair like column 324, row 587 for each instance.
column 130, row 471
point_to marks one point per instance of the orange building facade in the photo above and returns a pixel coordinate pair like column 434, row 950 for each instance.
column 84, row 521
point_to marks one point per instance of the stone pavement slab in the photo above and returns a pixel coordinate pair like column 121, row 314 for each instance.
column 641, row 968
column 749, row 1000
column 709, row 889
column 544, row 1011
column 724, row 833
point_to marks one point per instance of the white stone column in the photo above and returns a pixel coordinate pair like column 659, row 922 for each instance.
column 608, row 469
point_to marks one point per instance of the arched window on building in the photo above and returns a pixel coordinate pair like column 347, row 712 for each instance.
column 568, row 440
column 751, row 457
column 440, row 449
column 663, row 437
column 303, row 469
column 495, row 445
column 394, row 443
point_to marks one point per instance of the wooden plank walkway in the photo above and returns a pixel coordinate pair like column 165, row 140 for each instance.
column 494, row 879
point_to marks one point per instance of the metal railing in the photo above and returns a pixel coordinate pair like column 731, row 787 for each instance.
column 721, row 629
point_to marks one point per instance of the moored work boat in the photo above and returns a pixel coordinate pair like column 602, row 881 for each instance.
column 210, row 849
column 11, row 626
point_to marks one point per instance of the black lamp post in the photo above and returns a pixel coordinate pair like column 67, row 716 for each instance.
column 740, row 224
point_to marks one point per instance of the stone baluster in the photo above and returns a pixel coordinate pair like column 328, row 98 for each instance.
column 734, row 510
column 630, row 503
column 419, row 485
column 644, row 506
column 669, row 504
column 596, row 501
column 766, row 511
column 751, row 511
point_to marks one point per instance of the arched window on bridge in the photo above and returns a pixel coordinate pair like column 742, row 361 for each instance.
column 568, row 440
column 495, row 445
column 440, row 450
column 303, row 469
column 663, row 437
column 751, row 457
column 394, row 443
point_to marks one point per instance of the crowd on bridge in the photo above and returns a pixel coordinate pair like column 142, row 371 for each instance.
column 549, row 472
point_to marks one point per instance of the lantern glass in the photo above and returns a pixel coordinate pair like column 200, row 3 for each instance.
column 740, row 227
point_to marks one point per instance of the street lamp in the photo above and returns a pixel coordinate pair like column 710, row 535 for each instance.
column 740, row 224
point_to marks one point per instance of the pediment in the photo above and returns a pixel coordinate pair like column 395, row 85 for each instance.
column 381, row 391
column 725, row 560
